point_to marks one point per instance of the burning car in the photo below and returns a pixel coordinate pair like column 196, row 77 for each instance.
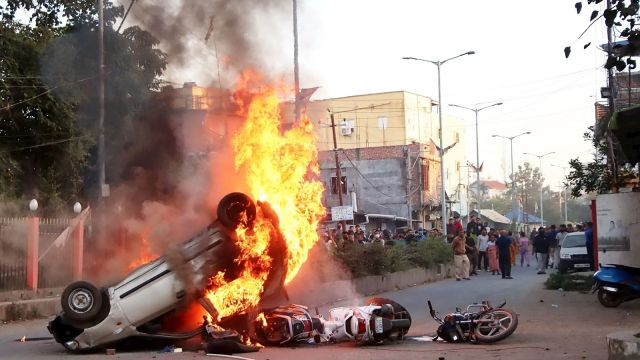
column 135, row 307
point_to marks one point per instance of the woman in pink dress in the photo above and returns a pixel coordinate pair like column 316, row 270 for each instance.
column 524, row 249
column 492, row 254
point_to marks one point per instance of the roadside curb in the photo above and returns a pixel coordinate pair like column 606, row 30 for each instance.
column 624, row 345
column 29, row 309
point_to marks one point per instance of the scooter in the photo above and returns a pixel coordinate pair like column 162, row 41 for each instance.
column 616, row 284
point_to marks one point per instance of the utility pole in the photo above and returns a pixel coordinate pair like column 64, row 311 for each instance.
column 335, row 152
column 611, row 161
column 296, row 77
column 101, row 154
column 408, row 186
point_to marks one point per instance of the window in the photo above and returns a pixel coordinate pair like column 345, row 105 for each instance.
column 382, row 122
column 343, row 185
column 425, row 175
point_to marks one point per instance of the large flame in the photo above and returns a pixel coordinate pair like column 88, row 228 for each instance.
column 279, row 167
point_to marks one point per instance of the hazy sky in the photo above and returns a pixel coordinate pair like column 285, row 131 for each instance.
column 350, row 47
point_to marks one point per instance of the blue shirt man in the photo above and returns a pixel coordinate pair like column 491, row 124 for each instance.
column 588, row 234
column 504, row 256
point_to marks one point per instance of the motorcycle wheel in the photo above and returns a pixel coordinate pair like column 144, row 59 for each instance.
column 498, row 324
column 608, row 299
column 399, row 311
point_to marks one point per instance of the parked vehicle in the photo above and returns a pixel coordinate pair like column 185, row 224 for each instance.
column 484, row 325
column 136, row 307
column 380, row 320
column 573, row 253
column 616, row 284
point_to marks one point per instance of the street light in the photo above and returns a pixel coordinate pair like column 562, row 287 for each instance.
column 514, row 210
column 443, row 196
column 564, row 174
column 540, row 160
column 477, row 110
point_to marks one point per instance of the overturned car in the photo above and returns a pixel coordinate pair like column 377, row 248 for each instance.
column 94, row 316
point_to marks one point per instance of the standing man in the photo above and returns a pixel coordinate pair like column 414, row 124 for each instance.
column 551, row 240
column 460, row 259
column 483, row 240
column 479, row 226
column 588, row 234
column 504, row 255
column 472, row 254
column 452, row 232
column 541, row 248
column 559, row 238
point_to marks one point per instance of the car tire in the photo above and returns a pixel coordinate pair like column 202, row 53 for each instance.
column 235, row 209
column 82, row 302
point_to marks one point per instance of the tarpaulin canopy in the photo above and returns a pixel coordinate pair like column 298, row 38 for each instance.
column 625, row 125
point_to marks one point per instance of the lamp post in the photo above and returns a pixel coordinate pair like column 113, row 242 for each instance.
column 477, row 110
column 564, row 174
column 514, row 210
column 541, row 187
column 443, row 195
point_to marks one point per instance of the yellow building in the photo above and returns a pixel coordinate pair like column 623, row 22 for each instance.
column 389, row 119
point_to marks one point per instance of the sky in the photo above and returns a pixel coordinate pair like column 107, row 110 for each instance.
column 350, row 47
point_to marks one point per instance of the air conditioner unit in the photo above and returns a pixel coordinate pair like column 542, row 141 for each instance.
column 346, row 131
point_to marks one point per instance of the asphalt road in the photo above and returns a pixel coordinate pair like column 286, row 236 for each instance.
column 552, row 325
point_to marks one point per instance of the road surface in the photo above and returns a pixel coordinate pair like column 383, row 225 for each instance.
column 552, row 325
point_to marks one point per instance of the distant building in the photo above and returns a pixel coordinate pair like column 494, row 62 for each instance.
column 489, row 188
column 385, row 184
column 387, row 122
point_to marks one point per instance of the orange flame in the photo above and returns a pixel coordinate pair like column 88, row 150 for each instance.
column 279, row 168
column 146, row 255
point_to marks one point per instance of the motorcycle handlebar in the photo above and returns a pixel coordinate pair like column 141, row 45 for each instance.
column 431, row 311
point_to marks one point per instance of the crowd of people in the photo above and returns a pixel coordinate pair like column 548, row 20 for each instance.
column 355, row 234
column 497, row 250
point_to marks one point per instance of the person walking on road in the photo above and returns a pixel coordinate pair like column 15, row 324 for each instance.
column 541, row 248
column 460, row 259
column 483, row 261
column 492, row 255
column 504, row 254
column 513, row 248
column 588, row 234
column 472, row 254
column 524, row 249
column 559, row 238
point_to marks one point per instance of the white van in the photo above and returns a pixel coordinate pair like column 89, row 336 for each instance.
column 573, row 253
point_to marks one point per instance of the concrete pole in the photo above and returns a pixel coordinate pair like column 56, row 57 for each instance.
column 541, row 190
column 33, row 242
column 443, row 194
column 478, row 195
column 101, row 150
column 78, row 247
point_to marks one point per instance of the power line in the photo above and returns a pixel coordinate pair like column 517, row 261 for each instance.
column 45, row 92
column 48, row 143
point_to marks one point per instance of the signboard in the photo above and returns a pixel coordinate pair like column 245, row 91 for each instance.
column 618, row 217
column 342, row 213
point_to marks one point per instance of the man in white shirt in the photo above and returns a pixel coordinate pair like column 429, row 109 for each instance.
column 483, row 240
column 559, row 238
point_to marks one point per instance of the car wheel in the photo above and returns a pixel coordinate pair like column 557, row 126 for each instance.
column 235, row 209
column 81, row 302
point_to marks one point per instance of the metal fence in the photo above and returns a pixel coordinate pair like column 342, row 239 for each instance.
column 55, row 267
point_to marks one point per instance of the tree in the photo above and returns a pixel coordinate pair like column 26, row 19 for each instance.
column 604, row 173
column 48, row 92
column 528, row 182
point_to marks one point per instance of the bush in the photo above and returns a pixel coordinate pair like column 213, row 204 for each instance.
column 569, row 282
column 375, row 259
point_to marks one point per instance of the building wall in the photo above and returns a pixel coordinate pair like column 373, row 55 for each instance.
column 389, row 119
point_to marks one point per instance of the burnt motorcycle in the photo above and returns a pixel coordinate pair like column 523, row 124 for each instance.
column 481, row 323
column 378, row 321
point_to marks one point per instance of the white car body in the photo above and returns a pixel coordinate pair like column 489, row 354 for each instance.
column 573, row 253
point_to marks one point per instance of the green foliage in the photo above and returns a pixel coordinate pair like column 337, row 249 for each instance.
column 48, row 95
column 595, row 176
column 622, row 15
column 569, row 282
column 375, row 259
